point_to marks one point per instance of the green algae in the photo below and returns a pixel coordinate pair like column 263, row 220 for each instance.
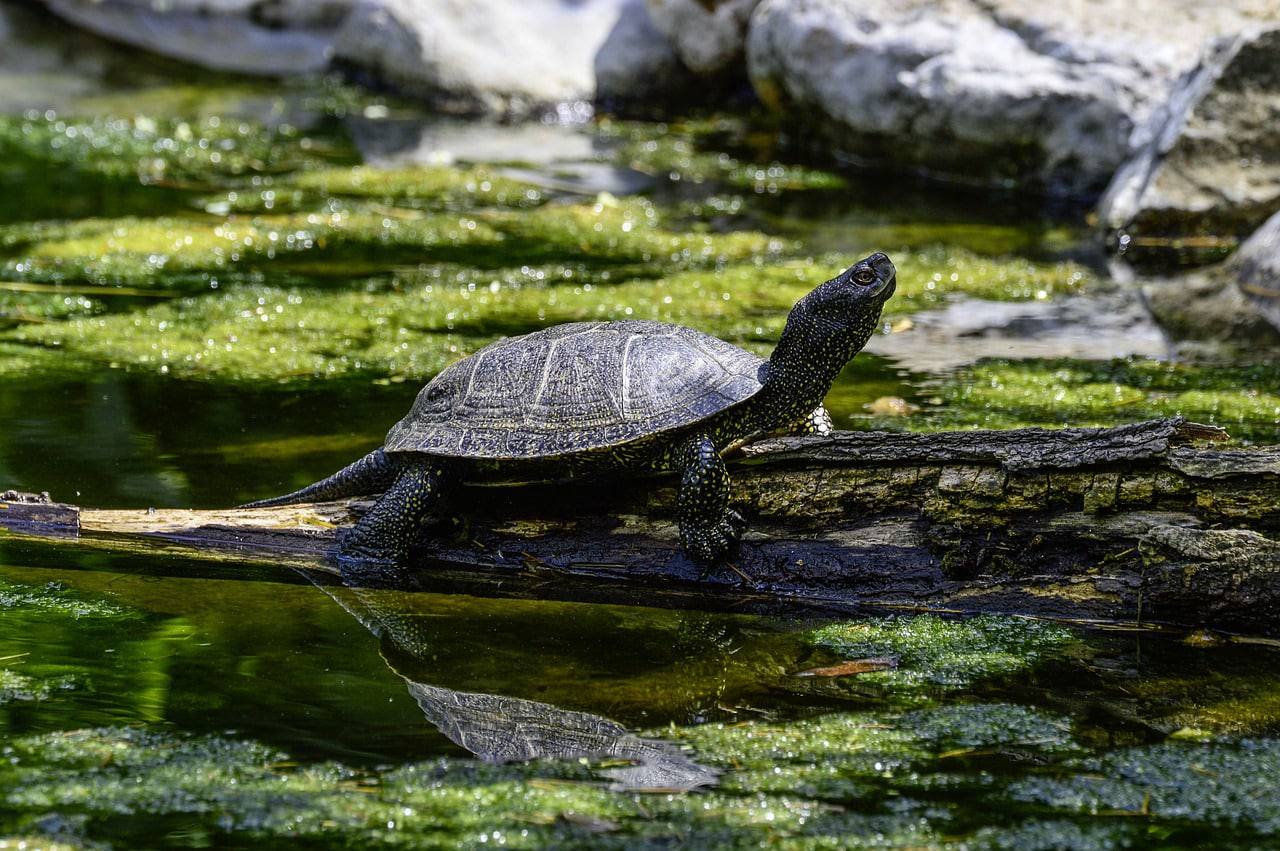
column 238, row 787
column 835, row 781
column 28, row 308
column 420, row 321
column 152, row 150
column 973, row 726
column 831, row 757
column 55, row 599
column 1060, row 834
column 999, row 394
column 15, row 686
column 245, row 788
column 197, row 251
column 935, row 653
column 1235, row 784
column 693, row 151
column 434, row 188
column 931, row 276
column 424, row 187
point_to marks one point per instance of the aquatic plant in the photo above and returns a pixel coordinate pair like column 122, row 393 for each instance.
column 1004, row 393
column 1230, row 783
column 936, row 653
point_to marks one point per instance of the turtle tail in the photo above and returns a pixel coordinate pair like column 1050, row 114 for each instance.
column 373, row 473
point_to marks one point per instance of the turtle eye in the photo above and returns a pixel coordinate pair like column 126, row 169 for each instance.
column 864, row 276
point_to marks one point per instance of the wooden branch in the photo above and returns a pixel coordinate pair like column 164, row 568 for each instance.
column 1137, row 523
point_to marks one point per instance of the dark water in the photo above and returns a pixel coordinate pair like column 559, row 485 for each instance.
column 988, row 750
column 152, row 700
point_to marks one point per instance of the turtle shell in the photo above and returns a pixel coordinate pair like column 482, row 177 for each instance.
column 574, row 388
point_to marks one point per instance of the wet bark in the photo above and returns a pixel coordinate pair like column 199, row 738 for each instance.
column 1146, row 522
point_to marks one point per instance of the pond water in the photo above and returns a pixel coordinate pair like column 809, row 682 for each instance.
column 152, row 702
column 214, row 289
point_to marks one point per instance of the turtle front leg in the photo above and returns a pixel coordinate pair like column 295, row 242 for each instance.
column 387, row 531
column 708, row 527
column 818, row 421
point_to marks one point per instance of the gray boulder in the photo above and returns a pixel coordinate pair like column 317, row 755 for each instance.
column 994, row 91
column 709, row 36
column 483, row 56
column 1237, row 301
column 267, row 37
column 1211, row 166
column 636, row 63
column 1257, row 270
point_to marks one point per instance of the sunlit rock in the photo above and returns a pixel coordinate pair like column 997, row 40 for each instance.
column 1211, row 165
column 709, row 37
column 1011, row 92
column 477, row 57
column 249, row 36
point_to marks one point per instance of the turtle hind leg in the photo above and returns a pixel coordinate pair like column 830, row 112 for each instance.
column 387, row 532
column 708, row 527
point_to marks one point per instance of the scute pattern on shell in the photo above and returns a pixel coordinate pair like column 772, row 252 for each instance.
column 576, row 387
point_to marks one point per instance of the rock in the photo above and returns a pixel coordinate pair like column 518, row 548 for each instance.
column 636, row 63
column 45, row 66
column 1257, row 270
column 1237, row 301
column 1012, row 92
column 1097, row 326
column 268, row 37
column 1211, row 167
column 709, row 36
column 393, row 142
column 483, row 56
column 1205, row 307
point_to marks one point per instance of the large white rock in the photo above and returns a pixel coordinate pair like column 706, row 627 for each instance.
column 1211, row 165
column 709, row 36
column 482, row 55
column 983, row 90
column 269, row 37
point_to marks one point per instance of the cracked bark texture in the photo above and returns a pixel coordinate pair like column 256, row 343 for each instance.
column 1145, row 522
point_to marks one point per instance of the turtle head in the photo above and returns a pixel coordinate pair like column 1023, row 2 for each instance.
column 828, row 327
column 855, row 296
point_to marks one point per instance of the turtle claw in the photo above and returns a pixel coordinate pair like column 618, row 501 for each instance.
column 354, row 550
column 708, row 544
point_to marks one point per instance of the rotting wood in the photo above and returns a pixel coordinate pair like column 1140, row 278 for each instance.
column 1144, row 521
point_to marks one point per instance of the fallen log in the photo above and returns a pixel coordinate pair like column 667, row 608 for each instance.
column 1146, row 522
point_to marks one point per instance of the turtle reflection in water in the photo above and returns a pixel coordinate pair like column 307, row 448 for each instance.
column 501, row 729
column 608, row 398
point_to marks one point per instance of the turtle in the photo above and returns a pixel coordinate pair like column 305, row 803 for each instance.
column 610, row 398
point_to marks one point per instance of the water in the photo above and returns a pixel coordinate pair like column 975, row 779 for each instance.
column 183, row 330
column 135, row 663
